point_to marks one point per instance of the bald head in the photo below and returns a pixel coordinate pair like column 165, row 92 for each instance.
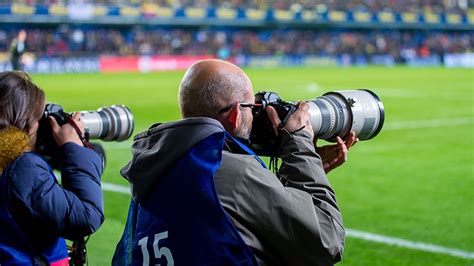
column 210, row 85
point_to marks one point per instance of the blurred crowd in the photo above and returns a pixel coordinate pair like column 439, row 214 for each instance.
column 437, row 6
column 400, row 44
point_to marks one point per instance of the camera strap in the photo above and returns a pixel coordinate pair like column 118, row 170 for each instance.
column 245, row 148
column 79, row 133
column 282, row 124
column 77, row 252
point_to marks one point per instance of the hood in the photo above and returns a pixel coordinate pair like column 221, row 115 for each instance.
column 13, row 142
column 156, row 149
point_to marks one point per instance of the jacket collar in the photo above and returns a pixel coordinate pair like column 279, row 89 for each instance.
column 231, row 146
column 13, row 142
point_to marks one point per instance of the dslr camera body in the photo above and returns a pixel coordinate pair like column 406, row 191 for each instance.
column 334, row 114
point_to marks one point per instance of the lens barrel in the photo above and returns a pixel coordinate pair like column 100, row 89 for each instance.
column 337, row 113
column 114, row 123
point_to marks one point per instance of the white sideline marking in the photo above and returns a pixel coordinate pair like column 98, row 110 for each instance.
column 409, row 244
column 116, row 188
column 432, row 123
column 118, row 145
column 358, row 234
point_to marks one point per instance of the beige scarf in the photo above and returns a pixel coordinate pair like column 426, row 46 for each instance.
column 13, row 142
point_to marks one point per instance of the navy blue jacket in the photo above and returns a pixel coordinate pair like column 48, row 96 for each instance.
column 46, row 211
column 179, row 220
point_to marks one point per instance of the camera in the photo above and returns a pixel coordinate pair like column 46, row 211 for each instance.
column 334, row 114
column 114, row 123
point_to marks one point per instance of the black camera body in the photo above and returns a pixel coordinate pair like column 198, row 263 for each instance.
column 57, row 112
column 333, row 114
column 46, row 146
column 263, row 139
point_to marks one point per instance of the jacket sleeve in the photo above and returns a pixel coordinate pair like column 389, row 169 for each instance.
column 295, row 221
column 302, row 169
column 72, row 211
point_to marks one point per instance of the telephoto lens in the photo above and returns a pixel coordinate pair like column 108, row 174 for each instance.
column 337, row 113
column 114, row 123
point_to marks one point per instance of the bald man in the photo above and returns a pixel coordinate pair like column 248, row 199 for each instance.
column 202, row 197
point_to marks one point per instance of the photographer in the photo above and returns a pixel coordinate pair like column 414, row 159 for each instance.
column 36, row 213
column 291, row 218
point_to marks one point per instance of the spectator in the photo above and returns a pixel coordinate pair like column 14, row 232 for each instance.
column 137, row 41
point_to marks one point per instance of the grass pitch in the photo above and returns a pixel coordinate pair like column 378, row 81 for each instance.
column 414, row 181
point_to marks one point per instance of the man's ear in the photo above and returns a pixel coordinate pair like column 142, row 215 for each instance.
column 234, row 117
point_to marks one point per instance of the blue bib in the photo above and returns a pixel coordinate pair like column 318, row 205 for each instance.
column 15, row 248
column 181, row 221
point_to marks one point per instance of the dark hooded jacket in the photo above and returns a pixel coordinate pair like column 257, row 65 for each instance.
column 289, row 219
column 42, row 208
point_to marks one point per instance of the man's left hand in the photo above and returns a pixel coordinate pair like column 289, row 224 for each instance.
column 336, row 154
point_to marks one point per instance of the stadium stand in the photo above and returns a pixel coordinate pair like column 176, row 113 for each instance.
column 284, row 32
column 435, row 6
column 65, row 41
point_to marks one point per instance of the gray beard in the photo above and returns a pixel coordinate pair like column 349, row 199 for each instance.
column 244, row 133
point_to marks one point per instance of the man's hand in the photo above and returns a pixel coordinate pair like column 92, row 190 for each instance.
column 336, row 154
column 67, row 133
column 332, row 156
column 299, row 120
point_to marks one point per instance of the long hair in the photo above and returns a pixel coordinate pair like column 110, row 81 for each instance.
column 21, row 101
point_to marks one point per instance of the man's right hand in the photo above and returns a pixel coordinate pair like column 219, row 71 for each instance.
column 299, row 120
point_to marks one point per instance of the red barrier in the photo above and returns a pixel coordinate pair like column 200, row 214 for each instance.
column 148, row 63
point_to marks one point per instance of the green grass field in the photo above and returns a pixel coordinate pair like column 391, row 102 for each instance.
column 414, row 181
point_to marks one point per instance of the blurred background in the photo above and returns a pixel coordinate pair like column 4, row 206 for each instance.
column 93, row 35
column 407, row 196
